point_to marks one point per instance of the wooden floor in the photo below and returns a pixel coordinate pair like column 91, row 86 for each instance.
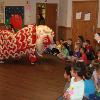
column 22, row 81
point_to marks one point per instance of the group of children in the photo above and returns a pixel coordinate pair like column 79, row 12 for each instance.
column 82, row 81
column 82, row 50
column 82, row 73
column 58, row 49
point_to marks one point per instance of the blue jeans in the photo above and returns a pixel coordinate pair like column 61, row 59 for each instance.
column 94, row 97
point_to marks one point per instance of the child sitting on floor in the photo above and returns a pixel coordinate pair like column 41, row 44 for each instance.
column 76, row 89
column 76, row 54
column 89, row 83
column 67, row 76
column 57, row 49
column 64, row 52
column 89, row 50
column 84, row 56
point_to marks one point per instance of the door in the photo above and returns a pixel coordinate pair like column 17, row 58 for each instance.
column 51, row 16
column 84, row 21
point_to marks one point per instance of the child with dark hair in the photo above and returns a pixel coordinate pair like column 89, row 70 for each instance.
column 80, row 40
column 61, row 41
column 67, row 73
column 88, row 83
column 76, row 89
column 67, row 76
column 69, row 46
column 89, row 50
column 84, row 56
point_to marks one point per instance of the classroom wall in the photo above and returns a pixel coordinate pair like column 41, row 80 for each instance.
column 32, row 3
column 65, row 21
column 69, row 12
column 64, row 10
column 22, row 3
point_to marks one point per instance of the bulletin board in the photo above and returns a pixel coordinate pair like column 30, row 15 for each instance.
column 11, row 10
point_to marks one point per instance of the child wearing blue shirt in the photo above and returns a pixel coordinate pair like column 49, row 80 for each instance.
column 88, row 83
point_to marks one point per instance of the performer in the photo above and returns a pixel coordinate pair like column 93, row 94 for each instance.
column 27, row 41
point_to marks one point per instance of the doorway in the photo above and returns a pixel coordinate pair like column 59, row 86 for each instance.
column 84, row 21
column 49, row 15
column 40, row 13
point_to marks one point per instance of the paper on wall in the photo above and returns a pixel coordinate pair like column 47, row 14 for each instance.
column 78, row 15
column 87, row 17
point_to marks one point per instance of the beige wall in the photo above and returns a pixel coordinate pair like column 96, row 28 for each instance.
column 65, row 14
column 1, row 0
column 69, row 14
column 62, row 19
column 14, row 2
column 32, row 4
column 64, row 10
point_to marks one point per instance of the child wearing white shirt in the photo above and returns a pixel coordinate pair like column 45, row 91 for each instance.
column 76, row 89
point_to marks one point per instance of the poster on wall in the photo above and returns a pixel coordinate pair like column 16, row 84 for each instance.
column 87, row 17
column 14, row 15
column 78, row 15
column 28, row 14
